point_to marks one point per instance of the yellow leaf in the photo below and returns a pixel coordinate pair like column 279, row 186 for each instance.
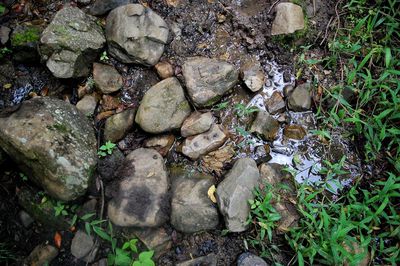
column 7, row 86
column 211, row 195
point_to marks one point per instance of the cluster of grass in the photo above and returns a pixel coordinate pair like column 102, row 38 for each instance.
column 363, row 223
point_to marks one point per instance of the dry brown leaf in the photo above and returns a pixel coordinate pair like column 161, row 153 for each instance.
column 211, row 193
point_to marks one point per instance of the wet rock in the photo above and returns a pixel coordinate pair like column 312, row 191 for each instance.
column 287, row 90
column 24, row 41
column 196, row 123
column 53, row 143
column 274, row 175
column 82, row 246
column 191, row 209
column 294, row 132
column 199, row 145
column 136, row 34
column 164, row 70
column 106, row 78
column 25, row 218
column 70, row 43
column 234, row 193
column 289, row 18
column 87, row 105
column 208, row 79
column 248, row 259
column 163, row 107
column 41, row 255
column 141, row 199
column 162, row 144
column 276, row 104
column 101, row 7
column 253, row 76
column 300, row 99
column 118, row 125
column 265, row 125
column 4, row 34
column 107, row 166
column 209, row 260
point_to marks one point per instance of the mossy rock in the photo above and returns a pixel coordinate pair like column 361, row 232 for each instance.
column 24, row 41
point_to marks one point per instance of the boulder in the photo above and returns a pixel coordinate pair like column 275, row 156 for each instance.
column 53, row 143
column 163, row 107
column 101, row 7
column 300, row 99
column 265, row 125
column 106, row 78
column 289, row 18
column 199, row 145
column 197, row 123
column 24, row 41
column 71, row 43
column 136, row 34
column 248, row 259
column 235, row 191
column 141, row 198
column 207, row 80
column 191, row 209
column 118, row 125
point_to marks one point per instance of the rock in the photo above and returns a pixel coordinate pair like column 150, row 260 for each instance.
column 253, row 76
column 274, row 175
column 87, row 105
column 71, row 43
column 276, row 104
column 109, row 102
column 300, row 99
column 88, row 207
column 108, row 166
column 265, row 125
column 287, row 90
column 25, row 218
column 118, row 125
column 191, row 209
column 248, row 259
column 163, row 107
column 364, row 257
column 216, row 161
column 209, row 260
column 164, row 70
column 208, row 79
column 199, row 145
column 53, row 143
column 162, row 144
column 106, row 78
column 141, row 199
column 197, row 123
column 24, row 41
column 136, row 34
column 82, row 246
column 41, row 255
column 289, row 18
column 84, row 2
column 294, row 132
column 4, row 34
column 234, row 193
column 101, row 7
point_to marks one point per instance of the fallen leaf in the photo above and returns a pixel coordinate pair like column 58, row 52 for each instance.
column 57, row 239
column 211, row 195
column 7, row 86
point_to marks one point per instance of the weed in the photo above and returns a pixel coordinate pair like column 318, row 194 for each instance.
column 23, row 177
column 106, row 149
column 4, row 51
column 242, row 111
column 104, row 57
column 2, row 9
column 221, row 106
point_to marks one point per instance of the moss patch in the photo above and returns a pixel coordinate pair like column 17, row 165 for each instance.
column 29, row 35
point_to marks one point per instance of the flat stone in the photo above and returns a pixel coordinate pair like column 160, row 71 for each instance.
column 136, row 34
column 87, row 105
column 81, row 244
column 234, row 193
column 265, row 125
column 163, row 107
column 294, row 132
column 118, row 125
column 248, row 259
column 41, row 255
column 276, row 104
column 164, row 70
column 197, row 123
column 209, row 260
column 289, row 18
column 300, row 98
column 162, row 144
column 253, row 76
column 106, row 78
column 207, row 80
column 199, row 145
column 141, row 197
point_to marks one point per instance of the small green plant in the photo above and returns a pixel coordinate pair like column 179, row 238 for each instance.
column 2, row 9
column 106, row 149
column 23, row 177
column 104, row 57
column 241, row 110
column 29, row 35
column 4, row 51
column 60, row 209
column 221, row 106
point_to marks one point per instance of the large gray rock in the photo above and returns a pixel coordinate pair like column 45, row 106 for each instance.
column 136, row 34
column 101, row 7
column 197, row 123
column 118, row 125
column 53, row 143
column 300, row 99
column 191, row 209
column 163, row 107
column 208, row 79
column 265, row 125
column 141, row 198
column 248, row 259
column 289, row 18
column 199, row 145
column 235, row 191
column 70, row 43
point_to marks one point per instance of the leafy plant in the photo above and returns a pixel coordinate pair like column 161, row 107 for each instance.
column 23, row 177
column 60, row 209
column 221, row 106
column 241, row 110
column 2, row 9
column 104, row 57
column 106, row 149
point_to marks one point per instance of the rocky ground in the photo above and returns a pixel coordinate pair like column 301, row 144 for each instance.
column 201, row 101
